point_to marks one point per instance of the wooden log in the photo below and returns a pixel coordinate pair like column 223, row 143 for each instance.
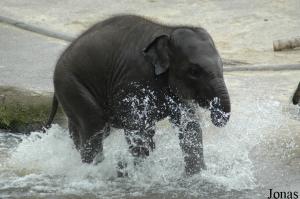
column 282, row 44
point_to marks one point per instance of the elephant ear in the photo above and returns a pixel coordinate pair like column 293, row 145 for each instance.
column 157, row 54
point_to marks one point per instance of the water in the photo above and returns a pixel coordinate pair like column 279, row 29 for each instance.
column 256, row 151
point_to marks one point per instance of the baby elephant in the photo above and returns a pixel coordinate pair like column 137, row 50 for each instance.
column 129, row 72
column 296, row 96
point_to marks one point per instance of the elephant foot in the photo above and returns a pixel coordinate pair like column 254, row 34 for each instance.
column 194, row 170
column 140, row 142
column 99, row 158
column 89, row 155
column 194, row 166
column 86, row 158
column 92, row 149
column 122, row 169
column 139, row 151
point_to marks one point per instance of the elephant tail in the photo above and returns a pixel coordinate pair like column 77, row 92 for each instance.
column 53, row 112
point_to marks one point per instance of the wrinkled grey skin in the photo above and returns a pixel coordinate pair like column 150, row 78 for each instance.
column 129, row 72
column 296, row 96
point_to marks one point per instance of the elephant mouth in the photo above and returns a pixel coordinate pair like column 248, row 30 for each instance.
column 204, row 103
column 219, row 116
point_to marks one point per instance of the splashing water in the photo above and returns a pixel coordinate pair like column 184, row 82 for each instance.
column 48, row 164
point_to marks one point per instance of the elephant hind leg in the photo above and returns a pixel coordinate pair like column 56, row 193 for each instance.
column 74, row 133
column 93, row 130
column 87, row 116
column 92, row 148
column 89, row 147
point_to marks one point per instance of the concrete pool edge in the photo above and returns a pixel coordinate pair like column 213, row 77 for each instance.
column 23, row 110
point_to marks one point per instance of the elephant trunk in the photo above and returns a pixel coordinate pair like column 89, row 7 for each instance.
column 220, row 104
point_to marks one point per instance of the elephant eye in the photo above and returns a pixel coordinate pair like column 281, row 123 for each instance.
column 195, row 71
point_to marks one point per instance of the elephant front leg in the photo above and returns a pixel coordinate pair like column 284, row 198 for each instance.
column 190, row 137
column 191, row 144
column 140, row 144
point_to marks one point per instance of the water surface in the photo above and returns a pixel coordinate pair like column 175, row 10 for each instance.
column 256, row 151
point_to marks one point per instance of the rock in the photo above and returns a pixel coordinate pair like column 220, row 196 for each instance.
column 24, row 110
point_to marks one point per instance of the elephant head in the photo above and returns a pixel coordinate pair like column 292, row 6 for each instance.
column 296, row 96
column 194, row 67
